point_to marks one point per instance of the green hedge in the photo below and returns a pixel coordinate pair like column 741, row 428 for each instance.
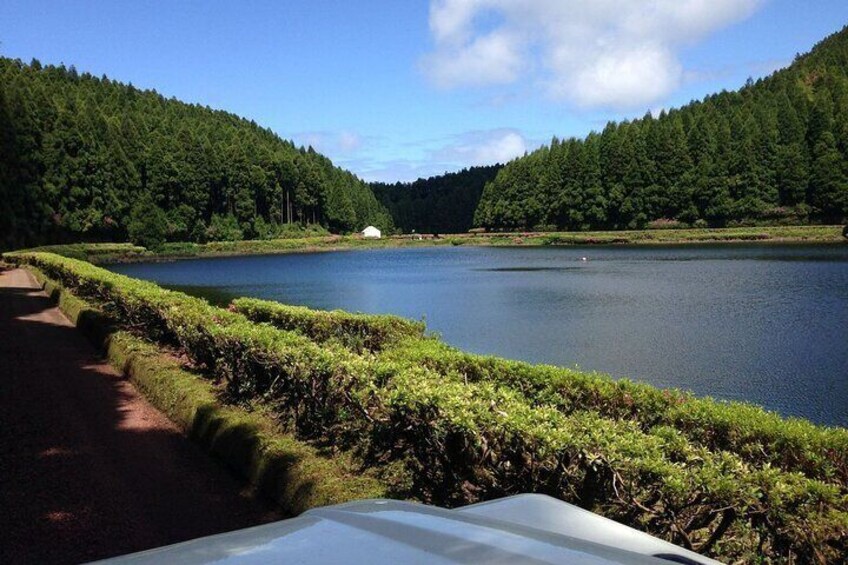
column 493, row 435
column 480, row 441
column 94, row 252
column 356, row 331
column 757, row 436
column 255, row 360
column 279, row 466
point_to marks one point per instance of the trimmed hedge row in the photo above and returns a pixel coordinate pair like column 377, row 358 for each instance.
column 356, row 331
column 464, row 442
column 479, row 441
column 255, row 360
column 280, row 467
column 93, row 252
column 757, row 436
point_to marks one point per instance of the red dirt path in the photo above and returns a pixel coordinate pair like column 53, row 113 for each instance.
column 88, row 468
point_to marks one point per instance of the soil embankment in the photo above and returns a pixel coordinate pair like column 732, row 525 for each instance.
column 89, row 469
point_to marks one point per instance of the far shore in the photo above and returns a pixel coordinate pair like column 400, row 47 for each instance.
column 126, row 253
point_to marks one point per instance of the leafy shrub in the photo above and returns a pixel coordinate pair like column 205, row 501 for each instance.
column 357, row 331
column 185, row 224
column 148, row 224
column 92, row 252
column 470, row 428
column 665, row 224
column 473, row 442
column 759, row 437
column 284, row 469
column 224, row 228
column 294, row 231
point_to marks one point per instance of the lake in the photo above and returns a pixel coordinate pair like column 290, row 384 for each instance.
column 762, row 323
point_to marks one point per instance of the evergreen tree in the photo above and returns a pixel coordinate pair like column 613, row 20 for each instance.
column 148, row 224
column 828, row 182
column 441, row 204
column 775, row 150
column 76, row 151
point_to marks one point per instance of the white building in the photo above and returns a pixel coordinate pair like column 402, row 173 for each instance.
column 371, row 232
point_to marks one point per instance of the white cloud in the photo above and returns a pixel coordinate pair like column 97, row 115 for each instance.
column 610, row 53
column 490, row 59
column 349, row 141
column 629, row 77
column 401, row 170
column 425, row 158
column 483, row 147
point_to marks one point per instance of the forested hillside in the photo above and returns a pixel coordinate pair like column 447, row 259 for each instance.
column 88, row 158
column 776, row 151
column 441, row 204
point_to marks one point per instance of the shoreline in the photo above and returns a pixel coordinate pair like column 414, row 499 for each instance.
column 820, row 235
column 119, row 253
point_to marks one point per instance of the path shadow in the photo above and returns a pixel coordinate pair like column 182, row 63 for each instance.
column 88, row 469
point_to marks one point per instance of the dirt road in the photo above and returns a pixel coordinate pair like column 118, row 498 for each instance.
column 89, row 469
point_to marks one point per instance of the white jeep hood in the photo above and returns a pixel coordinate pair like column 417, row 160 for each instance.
column 525, row 528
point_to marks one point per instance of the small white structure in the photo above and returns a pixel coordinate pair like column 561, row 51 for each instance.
column 371, row 233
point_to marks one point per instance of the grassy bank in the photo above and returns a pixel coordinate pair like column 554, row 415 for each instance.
column 124, row 252
column 729, row 480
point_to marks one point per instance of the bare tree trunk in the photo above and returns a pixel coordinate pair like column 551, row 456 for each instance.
column 288, row 208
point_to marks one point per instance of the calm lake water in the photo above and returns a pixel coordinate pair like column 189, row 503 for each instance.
column 762, row 323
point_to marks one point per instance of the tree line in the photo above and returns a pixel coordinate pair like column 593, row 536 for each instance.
column 92, row 159
column 776, row 151
column 84, row 158
column 439, row 204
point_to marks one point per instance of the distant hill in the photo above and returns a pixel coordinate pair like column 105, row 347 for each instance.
column 78, row 153
column 440, row 204
column 776, row 151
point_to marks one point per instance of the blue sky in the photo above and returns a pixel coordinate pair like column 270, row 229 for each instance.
column 397, row 89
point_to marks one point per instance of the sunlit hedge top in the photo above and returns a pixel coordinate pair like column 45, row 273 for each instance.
column 729, row 480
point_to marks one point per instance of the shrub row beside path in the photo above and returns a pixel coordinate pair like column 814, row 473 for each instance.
column 90, row 469
column 468, row 429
